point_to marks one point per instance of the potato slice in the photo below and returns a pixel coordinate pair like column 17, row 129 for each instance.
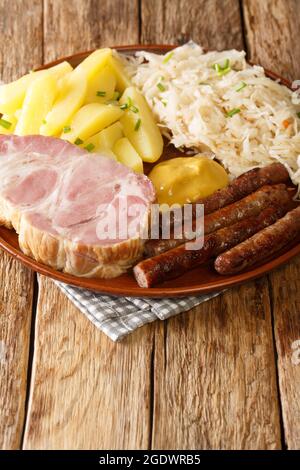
column 105, row 139
column 108, row 153
column 12, row 94
column 38, row 101
column 101, row 88
column 139, row 127
column 123, row 81
column 72, row 91
column 95, row 62
column 8, row 123
column 127, row 155
column 91, row 119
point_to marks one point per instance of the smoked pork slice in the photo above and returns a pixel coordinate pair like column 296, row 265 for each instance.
column 63, row 202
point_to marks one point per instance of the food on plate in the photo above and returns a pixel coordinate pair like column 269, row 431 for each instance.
column 72, row 91
column 215, row 102
column 139, row 126
column 38, row 101
column 249, row 206
column 127, row 155
column 102, row 88
column 77, row 105
column 261, row 245
column 8, row 123
column 12, row 94
column 242, row 186
column 89, row 120
column 62, row 200
column 104, row 139
column 187, row 179
column 66, row 201
column 175, row 262
column 123, row 80
column 95, row 63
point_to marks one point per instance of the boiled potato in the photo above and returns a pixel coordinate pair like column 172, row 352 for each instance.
column 38, row 101
column 101, row 87
column 8, row 123
column 95, row 62
column 91, row 119
column 139, row 126
column 127, row 155
column 108, row 153
column 123, row 80
column 105, row 139
column 71, row 95
column 12, row 94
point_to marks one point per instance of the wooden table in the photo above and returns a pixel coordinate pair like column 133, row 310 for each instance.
column 226, row 374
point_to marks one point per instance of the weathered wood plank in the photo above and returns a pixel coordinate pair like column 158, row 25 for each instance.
column 72, row 27
column 214, row 24
column 276, row 48
column 87, row 392
column 215, row 382
column 18, row 20
column 271, row 27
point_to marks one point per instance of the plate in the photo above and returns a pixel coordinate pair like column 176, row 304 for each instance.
column 198, row 281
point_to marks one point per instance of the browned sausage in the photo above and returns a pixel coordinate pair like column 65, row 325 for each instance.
column 245, row 184
column 249, row 206
column 261, row 245
column 175, row 262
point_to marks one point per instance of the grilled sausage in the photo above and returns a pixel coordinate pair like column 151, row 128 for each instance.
column 260, row 246
column 247, row 207
column 243, row 185
column 175, row 262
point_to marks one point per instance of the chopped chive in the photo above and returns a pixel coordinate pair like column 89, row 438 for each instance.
column 44, row 121
column 232, row 112
column 160, row 86
column 78, row 141
column 137, row 125
column 124, row 106
column 298, row 114
column 222, row 70
column 129, row 101
column 66, row 129
column 5, row 124
column 226, row 65
column 241, row 86
column 164, row 102
column 168, row 57
column 101, row 93
column 134, row 109
column 116, row 95
column 90, row 147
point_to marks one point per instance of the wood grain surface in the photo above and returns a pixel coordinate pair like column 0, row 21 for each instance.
column 16, row 282
column 271, row 37
column 224, row 375
column 87, row 392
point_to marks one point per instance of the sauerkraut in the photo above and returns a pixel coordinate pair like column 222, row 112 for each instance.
column 218, row 104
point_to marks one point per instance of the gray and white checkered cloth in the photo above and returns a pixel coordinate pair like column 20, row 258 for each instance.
column 119, row 316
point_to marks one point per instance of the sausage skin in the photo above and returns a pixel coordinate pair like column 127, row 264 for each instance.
column 249, row 206
column 175, row 262
column 243, row 185
column 260, row 245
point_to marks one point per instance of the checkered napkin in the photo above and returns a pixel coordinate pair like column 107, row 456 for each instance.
column 119, row 316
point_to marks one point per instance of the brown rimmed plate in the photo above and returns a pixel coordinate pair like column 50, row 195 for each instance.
column 198, row 281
